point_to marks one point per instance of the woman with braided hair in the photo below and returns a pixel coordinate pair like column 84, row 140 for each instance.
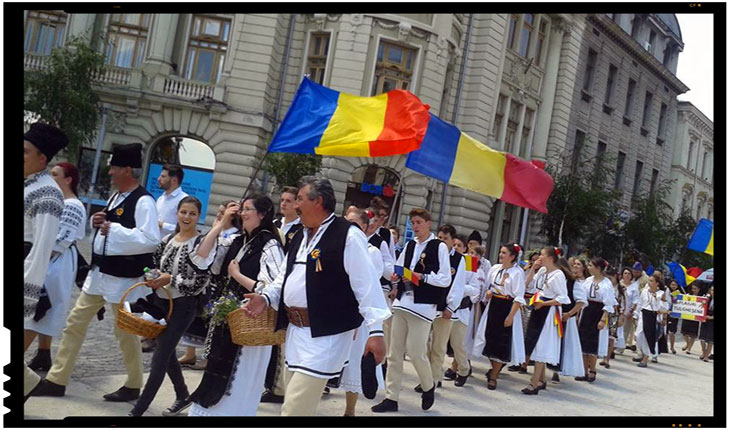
column 544, row 329
column 499, row 336
column 601, row 302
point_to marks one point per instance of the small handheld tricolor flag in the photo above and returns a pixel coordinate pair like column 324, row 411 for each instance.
column 535, row 298
column 703, row 238
column 407, row 274
column 472, row 263
column 323, row 121
column 558, row 322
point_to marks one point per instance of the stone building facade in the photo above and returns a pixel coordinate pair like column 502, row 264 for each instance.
column 693, row 164
column 512, row 81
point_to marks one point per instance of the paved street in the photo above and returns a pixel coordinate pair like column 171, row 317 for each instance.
column 623, row 390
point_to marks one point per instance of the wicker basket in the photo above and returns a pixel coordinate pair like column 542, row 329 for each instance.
column 134, row 324
column 254, row 331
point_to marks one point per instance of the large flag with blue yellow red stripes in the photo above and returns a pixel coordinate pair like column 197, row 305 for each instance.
column 703, row 238
column 323, row 121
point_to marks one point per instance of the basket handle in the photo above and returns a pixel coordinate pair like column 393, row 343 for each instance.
column 169, row 297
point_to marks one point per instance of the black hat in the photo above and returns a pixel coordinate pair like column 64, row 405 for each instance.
column 47, row 138
column 475, row 236
column 129, row 155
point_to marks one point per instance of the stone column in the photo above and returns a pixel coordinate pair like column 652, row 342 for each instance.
column 544, row 111
column 160, row 41
column 505, row 120
column 518, row 137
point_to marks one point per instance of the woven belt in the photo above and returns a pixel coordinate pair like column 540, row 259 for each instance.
column 298, row 316
column 503, row 297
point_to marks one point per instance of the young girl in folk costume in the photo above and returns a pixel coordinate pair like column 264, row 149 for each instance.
column 351, row 376
column 185, row 275
column 615, row 331
column 571, row 356
column 690, row 329
column 533, row 266
column 707, row 328
column 599, row 293
column 61, row 270
column 672, row 322
column 499, row 336
column 650, row 304
column 234, row 377
column 544, row 329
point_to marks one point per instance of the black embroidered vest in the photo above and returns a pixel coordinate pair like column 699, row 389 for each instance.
column 454, row 260
column 123, row 266
column 428, row 262
column 331, row 302
column 290, row 235
column 376, row 241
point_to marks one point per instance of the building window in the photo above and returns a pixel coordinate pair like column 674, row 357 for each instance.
column 647, row 109
column 513, row 122
column 525, row 142
column 207, row 48
column 542, row 31
column 690, row 154
column 44, row 31
column 601, row 151
column 394, row 68
column 628, row 108
column 317, row 56
column 610, row 83
column 667, row 55
column 618, row 180
column 590, row 67
column 528, row 24
column 127, row 39
column 513, row 20
column 637, row 177
column 662, row 121
column 652, row 40
column 577, row 146
column 654, row 180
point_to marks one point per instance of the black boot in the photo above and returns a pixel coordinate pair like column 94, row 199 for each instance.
column 427, row 398
column 41, row 361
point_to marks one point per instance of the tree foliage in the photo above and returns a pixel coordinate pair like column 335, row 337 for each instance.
column 289, row 168
column 61, row 94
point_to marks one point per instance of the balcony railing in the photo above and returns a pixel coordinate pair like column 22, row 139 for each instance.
column 34, row 61
column 187, row 89
column 113, row 75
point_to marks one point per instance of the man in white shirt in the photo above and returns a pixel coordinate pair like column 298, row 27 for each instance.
column 415, row 309
column 170, row 180
column 289, row 224
column 328, row 289
column 126, row 236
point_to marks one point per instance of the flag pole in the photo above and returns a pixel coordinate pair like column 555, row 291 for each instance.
column 255, row 172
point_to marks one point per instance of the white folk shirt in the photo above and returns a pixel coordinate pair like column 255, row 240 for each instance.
column 42, row 208
column 456, row 293
column 167, row 210
column 391, row 244
column 325, row 356
column 471, row 290
column 387, row 260
column 632, row 296
column 142, row 239
column 285, row 227
column 513, row 286
column 600, row 292
column 652, row 302
column 552, row 285
column 425, row 311
column 484, row 267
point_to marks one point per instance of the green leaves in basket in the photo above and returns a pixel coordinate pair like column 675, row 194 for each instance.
column 219, row 309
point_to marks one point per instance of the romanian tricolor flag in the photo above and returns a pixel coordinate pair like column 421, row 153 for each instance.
column 449, row 155
column 558, row 322
column 407, row 274
column 327, row 122
column 471, row 263
column 535, row 298
column 679, row 273
column 703, row 238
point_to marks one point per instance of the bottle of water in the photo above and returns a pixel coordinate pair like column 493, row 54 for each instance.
column 151, row 274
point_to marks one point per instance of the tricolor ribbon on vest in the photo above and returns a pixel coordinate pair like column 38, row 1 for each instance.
column 317, row 262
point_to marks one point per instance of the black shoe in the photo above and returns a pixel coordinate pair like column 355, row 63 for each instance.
column 613, row 355
column 427, row 398
column 514, row 368
column 177, row 407
column 270, row 397
column 533, row 391
column 531, row 363
column 48, row 388
column 148, row 345
column 41, row 361
column 418, row 388
column 123, row 394
column 523, row 370
column 636, row 360
column 543, row 386
column 450, row 374
column 711, row 357
column 386, row 405
column 581, row 378
column 460, row 380
column 556, row 378
column 134, row 413
column 632, row 347
column 326, row 390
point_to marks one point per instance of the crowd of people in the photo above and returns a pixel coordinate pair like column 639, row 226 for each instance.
column 355, row 301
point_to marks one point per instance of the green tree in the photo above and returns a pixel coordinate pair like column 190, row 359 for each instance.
column 288, row 168
column 651, row 229
column 581, row 204
column 61, row 93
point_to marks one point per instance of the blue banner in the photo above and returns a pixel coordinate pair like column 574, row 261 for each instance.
column 196, row 182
